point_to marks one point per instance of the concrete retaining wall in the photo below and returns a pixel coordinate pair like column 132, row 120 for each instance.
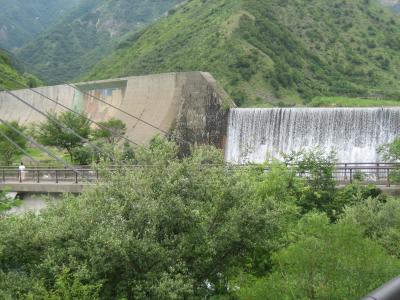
column 190, row 103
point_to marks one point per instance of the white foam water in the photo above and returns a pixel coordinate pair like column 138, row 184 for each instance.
column 255, row 135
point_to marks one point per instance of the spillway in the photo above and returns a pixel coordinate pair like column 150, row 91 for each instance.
column 255, row 135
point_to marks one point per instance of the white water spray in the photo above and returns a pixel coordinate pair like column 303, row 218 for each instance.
column 353, row 133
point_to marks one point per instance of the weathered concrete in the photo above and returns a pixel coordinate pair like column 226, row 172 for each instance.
column 190, row 103
column 43, row 187
column 391, row 191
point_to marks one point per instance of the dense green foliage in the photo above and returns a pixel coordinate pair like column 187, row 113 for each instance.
column 269, row 50
column 390, row 152
column 65, row 130
column 90, row 31
column 73, row 133
column 112, row 131
column 8, row 151
column 7, row 69
column 7, row 203
column 195, row 228
column 21, row 20
column 325, row 262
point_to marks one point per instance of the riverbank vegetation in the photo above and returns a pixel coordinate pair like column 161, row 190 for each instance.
column 351, row 102
column 70, row 135
column 195, row 228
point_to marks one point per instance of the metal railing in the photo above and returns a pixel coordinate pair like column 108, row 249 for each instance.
column 41, row 175
column 378, row 175
column 343, row 173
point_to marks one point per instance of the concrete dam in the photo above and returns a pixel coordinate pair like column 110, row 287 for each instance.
column 192, row 107
column 255, row 135
column 188, row 104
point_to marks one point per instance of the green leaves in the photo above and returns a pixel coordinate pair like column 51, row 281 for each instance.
column 195, row 227
column 8, row 151
column 325, row 262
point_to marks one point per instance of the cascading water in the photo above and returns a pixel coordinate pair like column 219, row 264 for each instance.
column 353, row 133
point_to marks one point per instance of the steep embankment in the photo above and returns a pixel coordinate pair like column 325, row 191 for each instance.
column 7, row 69
column 21, row 20
column 87, row 34
column 271, row 50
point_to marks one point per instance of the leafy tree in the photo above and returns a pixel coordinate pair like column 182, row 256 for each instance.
column 379, row 220
column 316, row 168
column 87, row 154
column 325, row 262
column 117, row 129
column 180, row 228
column 8, row 151
column 390, row 152
column 52, row 134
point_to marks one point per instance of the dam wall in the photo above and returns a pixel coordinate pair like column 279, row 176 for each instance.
column 255, row 135
column 189, row 105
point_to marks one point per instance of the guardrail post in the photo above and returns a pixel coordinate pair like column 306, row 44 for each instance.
column 56, row 176
column 351, row 175
column 20, row 176
column 4, row 175
column 38, row 176
column 388, row 177
column 76, row 177
column 377, row 172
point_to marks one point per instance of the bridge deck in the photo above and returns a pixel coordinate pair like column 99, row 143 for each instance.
column 51, row 180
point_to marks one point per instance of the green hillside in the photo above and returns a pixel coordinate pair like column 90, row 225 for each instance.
column 88, row 33
column 272, row 50
column 7, row 69
column 21, row 20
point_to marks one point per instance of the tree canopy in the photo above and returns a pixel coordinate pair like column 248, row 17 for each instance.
column 195, row 228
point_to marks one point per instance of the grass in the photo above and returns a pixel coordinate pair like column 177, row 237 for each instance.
column 7, row 204
column 43, row 157
column 351, row 102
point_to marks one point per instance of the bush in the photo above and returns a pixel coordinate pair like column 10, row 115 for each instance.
column 325, row 262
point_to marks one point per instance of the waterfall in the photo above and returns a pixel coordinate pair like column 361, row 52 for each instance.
column 353, row 133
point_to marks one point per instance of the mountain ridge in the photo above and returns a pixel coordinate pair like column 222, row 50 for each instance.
column 271, row 51
column 21, row 21
column 87, row 34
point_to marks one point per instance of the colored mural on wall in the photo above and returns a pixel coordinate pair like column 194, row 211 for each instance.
column 87, row 100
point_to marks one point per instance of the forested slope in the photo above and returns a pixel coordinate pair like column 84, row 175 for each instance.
column 7, row 70
column 271, row 50
column 88, row 33
column 21, row 20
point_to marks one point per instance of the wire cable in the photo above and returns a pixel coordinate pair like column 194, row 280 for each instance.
column 109, row 104
column 33, row 141
column 55, row 121
column 125, row 112
column 69, row 109
column 19, row 147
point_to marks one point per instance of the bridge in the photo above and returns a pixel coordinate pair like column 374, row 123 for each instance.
column 47, row 180
column 64, row 180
